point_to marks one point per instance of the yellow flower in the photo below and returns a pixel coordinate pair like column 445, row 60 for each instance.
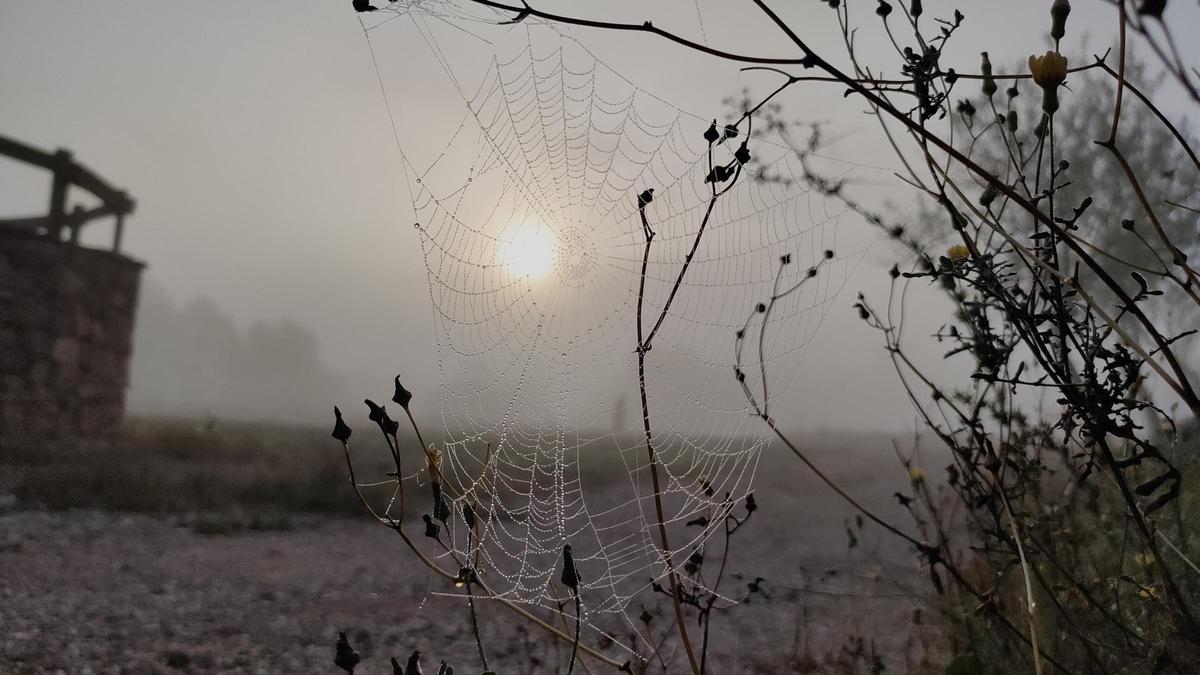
column 1049, row 71
column 958, row 252
column 916, row 473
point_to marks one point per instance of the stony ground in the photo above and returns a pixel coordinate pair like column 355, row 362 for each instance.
column 97, row 592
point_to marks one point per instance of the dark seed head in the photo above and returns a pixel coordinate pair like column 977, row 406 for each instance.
column 376, row 414
column 345, row 656
column 402, row 395
column 743, row 154
column 341, row 430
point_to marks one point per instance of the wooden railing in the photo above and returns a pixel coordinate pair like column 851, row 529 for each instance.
column 67, row 172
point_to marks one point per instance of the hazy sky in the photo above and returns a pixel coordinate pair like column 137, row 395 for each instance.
column 254, row 138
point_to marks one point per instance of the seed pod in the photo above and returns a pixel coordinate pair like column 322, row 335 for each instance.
column 711, row 135
column 414, row 664
column 402, row 395
column 985, row 67
column 1058, row 18
column 989, row 195
column 743, row 154
column 1012, row 121
column 719, row 174
column 375, row 411
column 646, row 197
column 440, row 510
column 570, row 575
column 345, row 656
column 431, row 528
column 1152, row 8
column 341, row 431
column 389, row 425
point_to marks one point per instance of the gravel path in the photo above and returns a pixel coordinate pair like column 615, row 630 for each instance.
column 96, row 592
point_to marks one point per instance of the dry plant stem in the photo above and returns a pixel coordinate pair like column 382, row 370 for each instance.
column 672, row 575
column 578, row 625
column 712, row 600
column 1029, row 602
column 646, row 344
column 1110, row 144
column 1030, row 257
column 898, row 357
column 1154, row 109
column 1127, row 495
column 474, row 616
column 525, row 10
column 475, row 626
column 1172, row 62
column 926, row 549
column 920, row 546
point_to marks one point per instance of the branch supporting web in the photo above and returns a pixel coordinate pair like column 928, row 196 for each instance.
column 529, row 229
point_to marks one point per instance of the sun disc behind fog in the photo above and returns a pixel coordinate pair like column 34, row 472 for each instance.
column 528, row 251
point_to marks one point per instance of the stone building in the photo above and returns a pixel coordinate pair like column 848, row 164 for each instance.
column 66, row 311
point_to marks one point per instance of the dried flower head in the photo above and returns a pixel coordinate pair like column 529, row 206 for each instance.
column 433, row 464
column 402, row 395
column 958, row 253
column 341, row 431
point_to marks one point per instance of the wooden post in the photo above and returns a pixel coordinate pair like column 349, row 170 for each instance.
column 118, row 232
column 76, row 223
column 58, row 193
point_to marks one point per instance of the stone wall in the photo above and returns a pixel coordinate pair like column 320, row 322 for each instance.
column 66, row 336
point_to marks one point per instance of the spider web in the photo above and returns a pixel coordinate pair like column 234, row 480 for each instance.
column 540, row 404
